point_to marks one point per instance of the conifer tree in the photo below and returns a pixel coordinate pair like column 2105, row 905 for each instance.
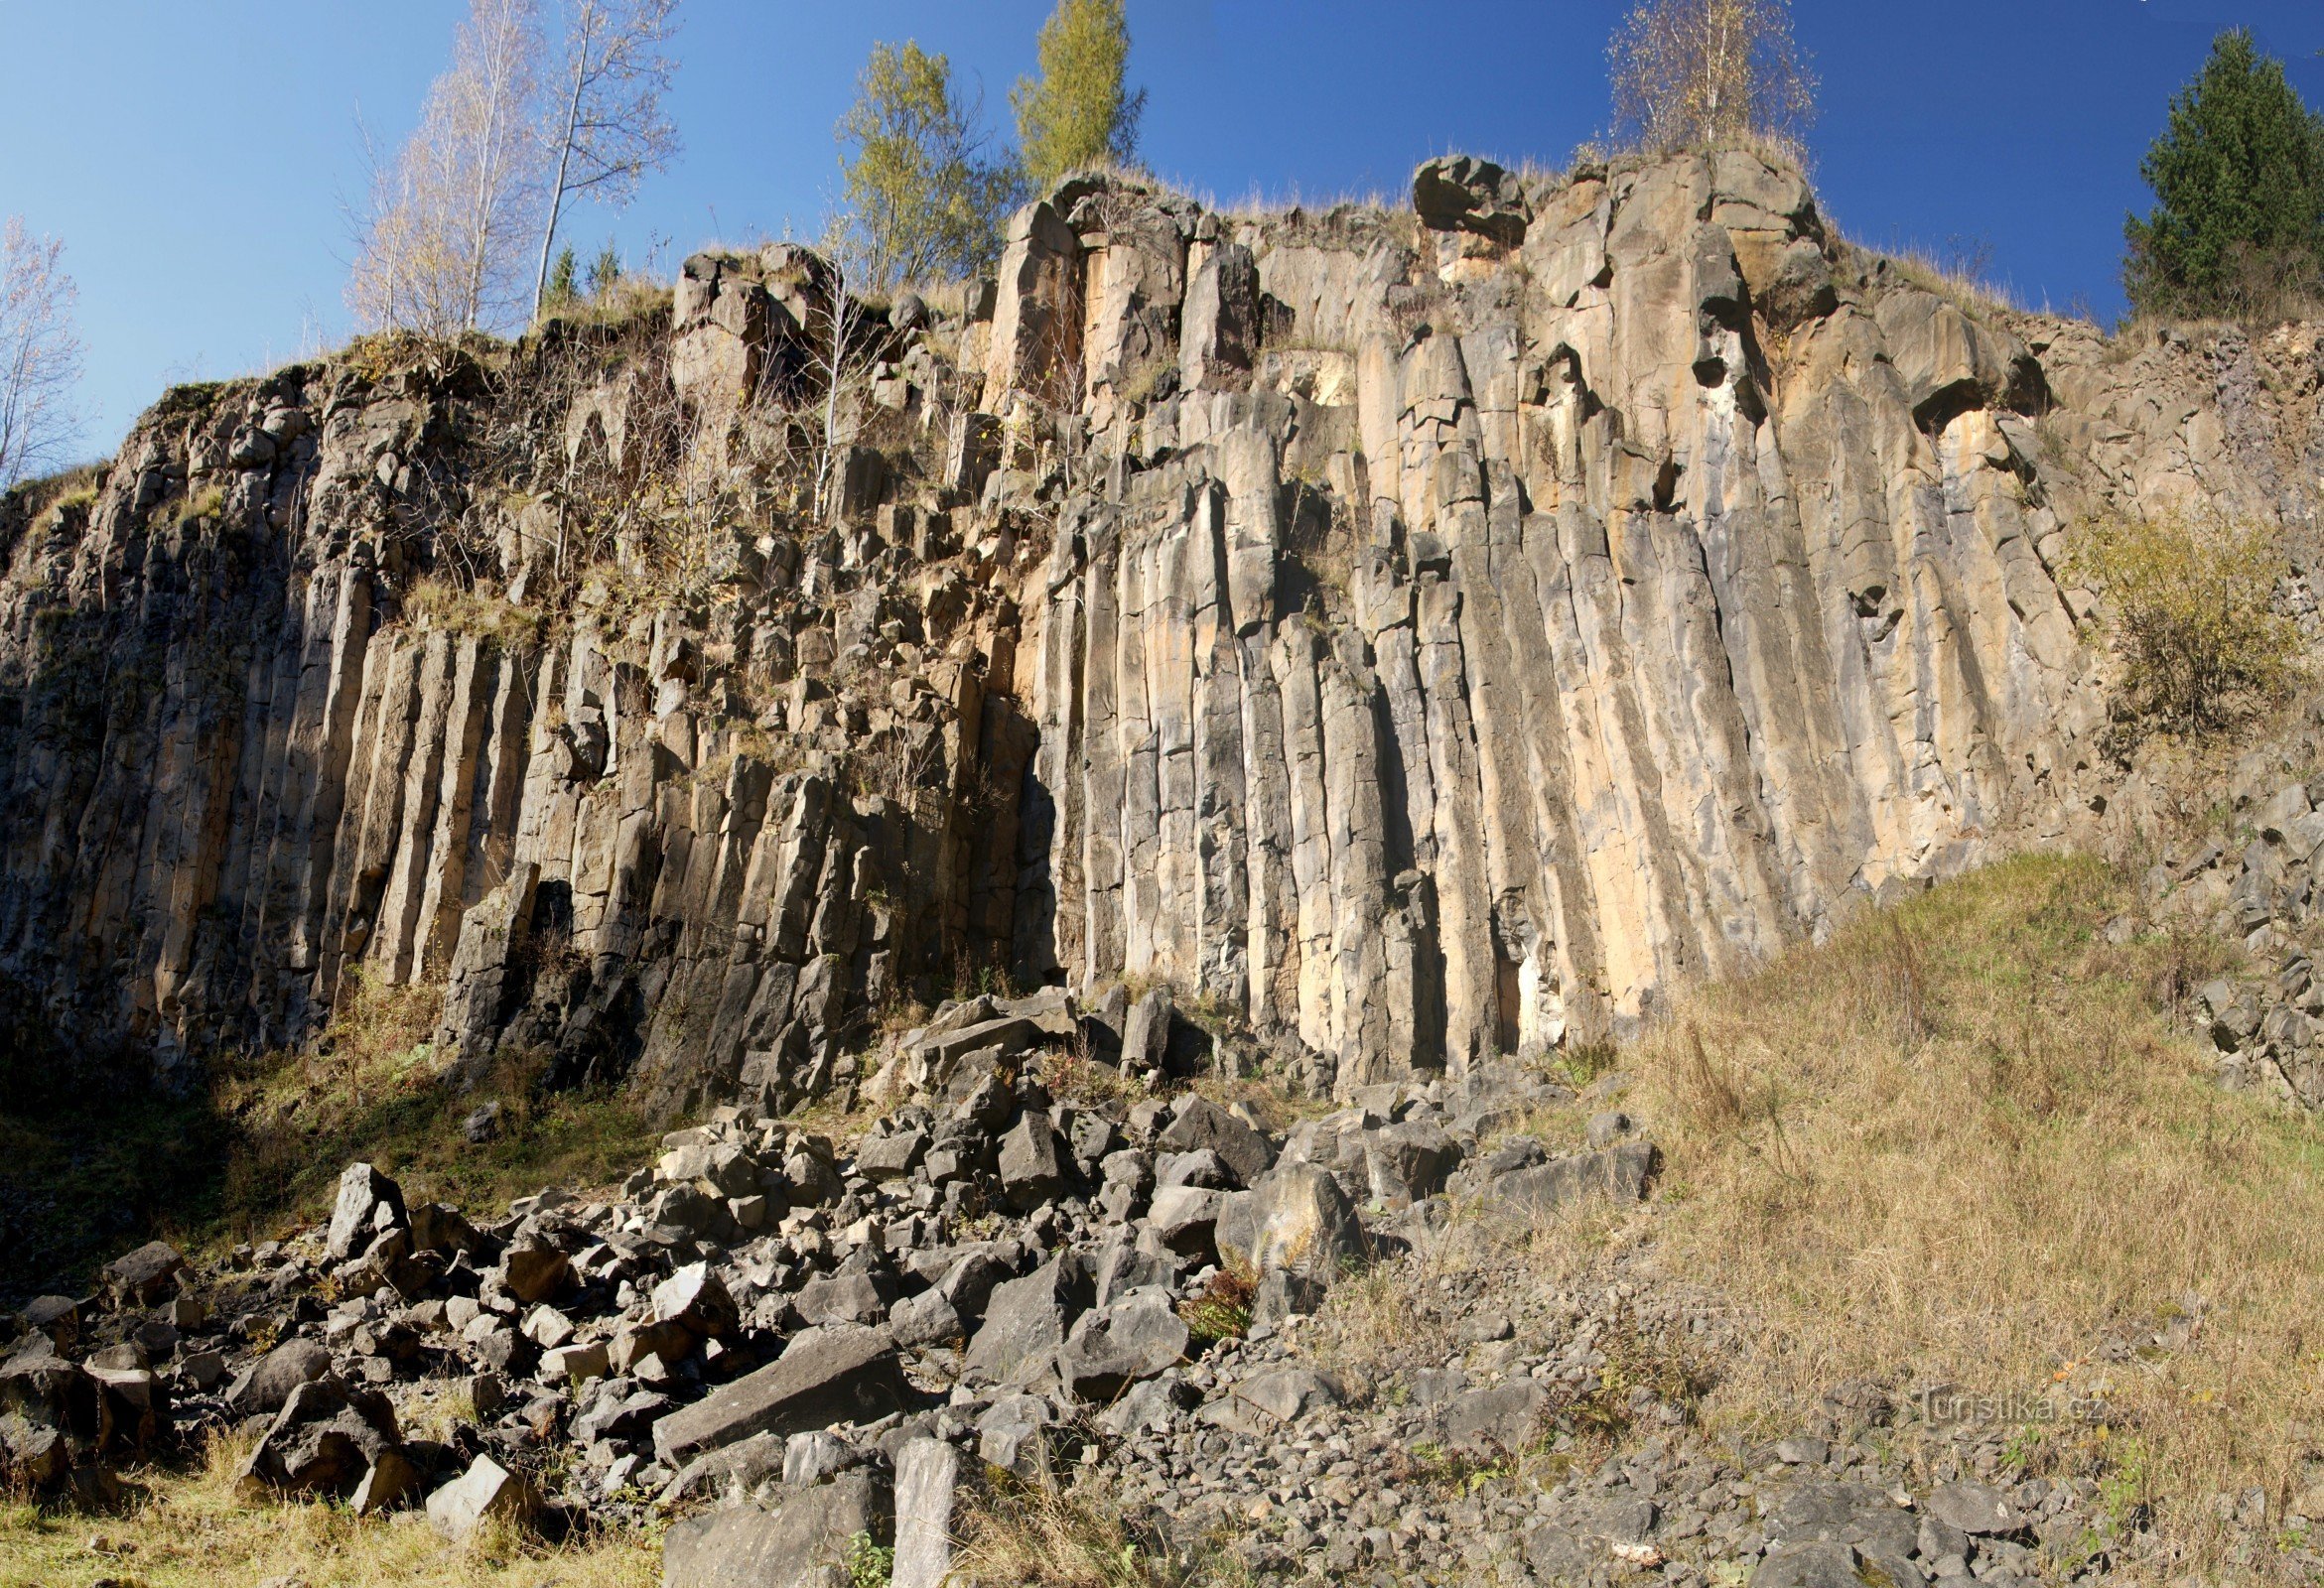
column 564, row 281
column 2237, row 173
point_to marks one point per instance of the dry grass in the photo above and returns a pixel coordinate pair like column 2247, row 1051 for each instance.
column 1391, row 1317
column 1958, row 276
column 1962, row 1143
column 188, row 1530
column 436, row 602
column 1048, row 1534
column 375, row 1087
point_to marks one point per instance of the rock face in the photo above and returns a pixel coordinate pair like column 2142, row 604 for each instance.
column 1420, row 634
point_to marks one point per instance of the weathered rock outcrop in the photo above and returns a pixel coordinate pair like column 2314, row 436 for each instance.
column 1537, row 611
column 1418, row 634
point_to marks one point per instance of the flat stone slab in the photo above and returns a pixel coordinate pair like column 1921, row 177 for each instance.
column 846, row 1373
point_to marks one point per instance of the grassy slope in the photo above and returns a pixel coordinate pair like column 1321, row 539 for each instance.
column 1962, row 1143
column 84, row 1177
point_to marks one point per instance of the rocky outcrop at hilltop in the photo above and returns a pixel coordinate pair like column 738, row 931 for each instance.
column 1412, row 635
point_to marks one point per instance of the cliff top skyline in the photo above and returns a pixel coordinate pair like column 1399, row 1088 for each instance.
column 2007, row 142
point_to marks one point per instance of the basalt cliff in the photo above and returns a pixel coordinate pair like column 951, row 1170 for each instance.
column 1408, row 634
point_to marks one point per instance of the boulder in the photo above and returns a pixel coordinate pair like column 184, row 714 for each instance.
column 575, row 1364
column 809, row 1458
column 1457, row 192
column 1295, row 1220
column 48, row 1391
column 1976, row 1509
column 842, row 1373
column 737, row 1468
column 927, row 1319
column 487, row 1492
column 1408, row 1162
column 134, row 1407
column 1618, row 1174
column 368, row 1203
column 698, row 1300
column 393, row 1481
column 891, row 1156
column 841, row 1299
column 1030, row 1170
column 534, row 1270
column 1025, row 1322
column 1112, row 1347
column 632, row 1343
column 323, row 1440
column 1145, row 1033
column 58, row 1317
column 1497, row 1421
column 267, row 1383
column 618, row 1410
column 1809, row 1566
column 805, row 1542
column 147, row 1277
column 1014, row 1434
column 1184, row 1218
column 927, row 1477
column 1287, row 1393
column 1199, row 1123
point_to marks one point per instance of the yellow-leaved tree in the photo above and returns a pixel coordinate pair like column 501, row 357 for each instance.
column 1078, row 112
column 924, row 200
column 1694, row 72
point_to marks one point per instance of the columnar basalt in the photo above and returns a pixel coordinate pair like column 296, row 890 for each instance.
column 1414, row 635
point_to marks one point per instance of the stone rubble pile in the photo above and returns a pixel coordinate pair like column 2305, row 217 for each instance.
column 989, row 1264
column 2257, row 880
column 1050, row 1268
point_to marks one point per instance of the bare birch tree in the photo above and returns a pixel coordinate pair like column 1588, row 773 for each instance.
column 607, row 127
column 1691, row 72
column 445, row 236
column 40, row 357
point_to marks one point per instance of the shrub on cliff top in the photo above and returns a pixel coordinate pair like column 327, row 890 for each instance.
column 1693, row 72
column 926, row 202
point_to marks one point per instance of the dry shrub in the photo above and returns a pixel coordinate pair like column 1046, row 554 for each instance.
column 2191, row 615
column 2015, row 1202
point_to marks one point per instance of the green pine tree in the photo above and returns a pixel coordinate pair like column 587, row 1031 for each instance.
column 924, row 201
column 605, row 271
column 1076, row 113
column 2238, row 225
column 563, row 289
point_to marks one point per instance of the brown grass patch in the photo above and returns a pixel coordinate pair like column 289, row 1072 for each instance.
column 1962, row 1143
column 1048, row 1534
column 190, row 1529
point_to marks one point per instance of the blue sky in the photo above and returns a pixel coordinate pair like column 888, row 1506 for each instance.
column 196, row 155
